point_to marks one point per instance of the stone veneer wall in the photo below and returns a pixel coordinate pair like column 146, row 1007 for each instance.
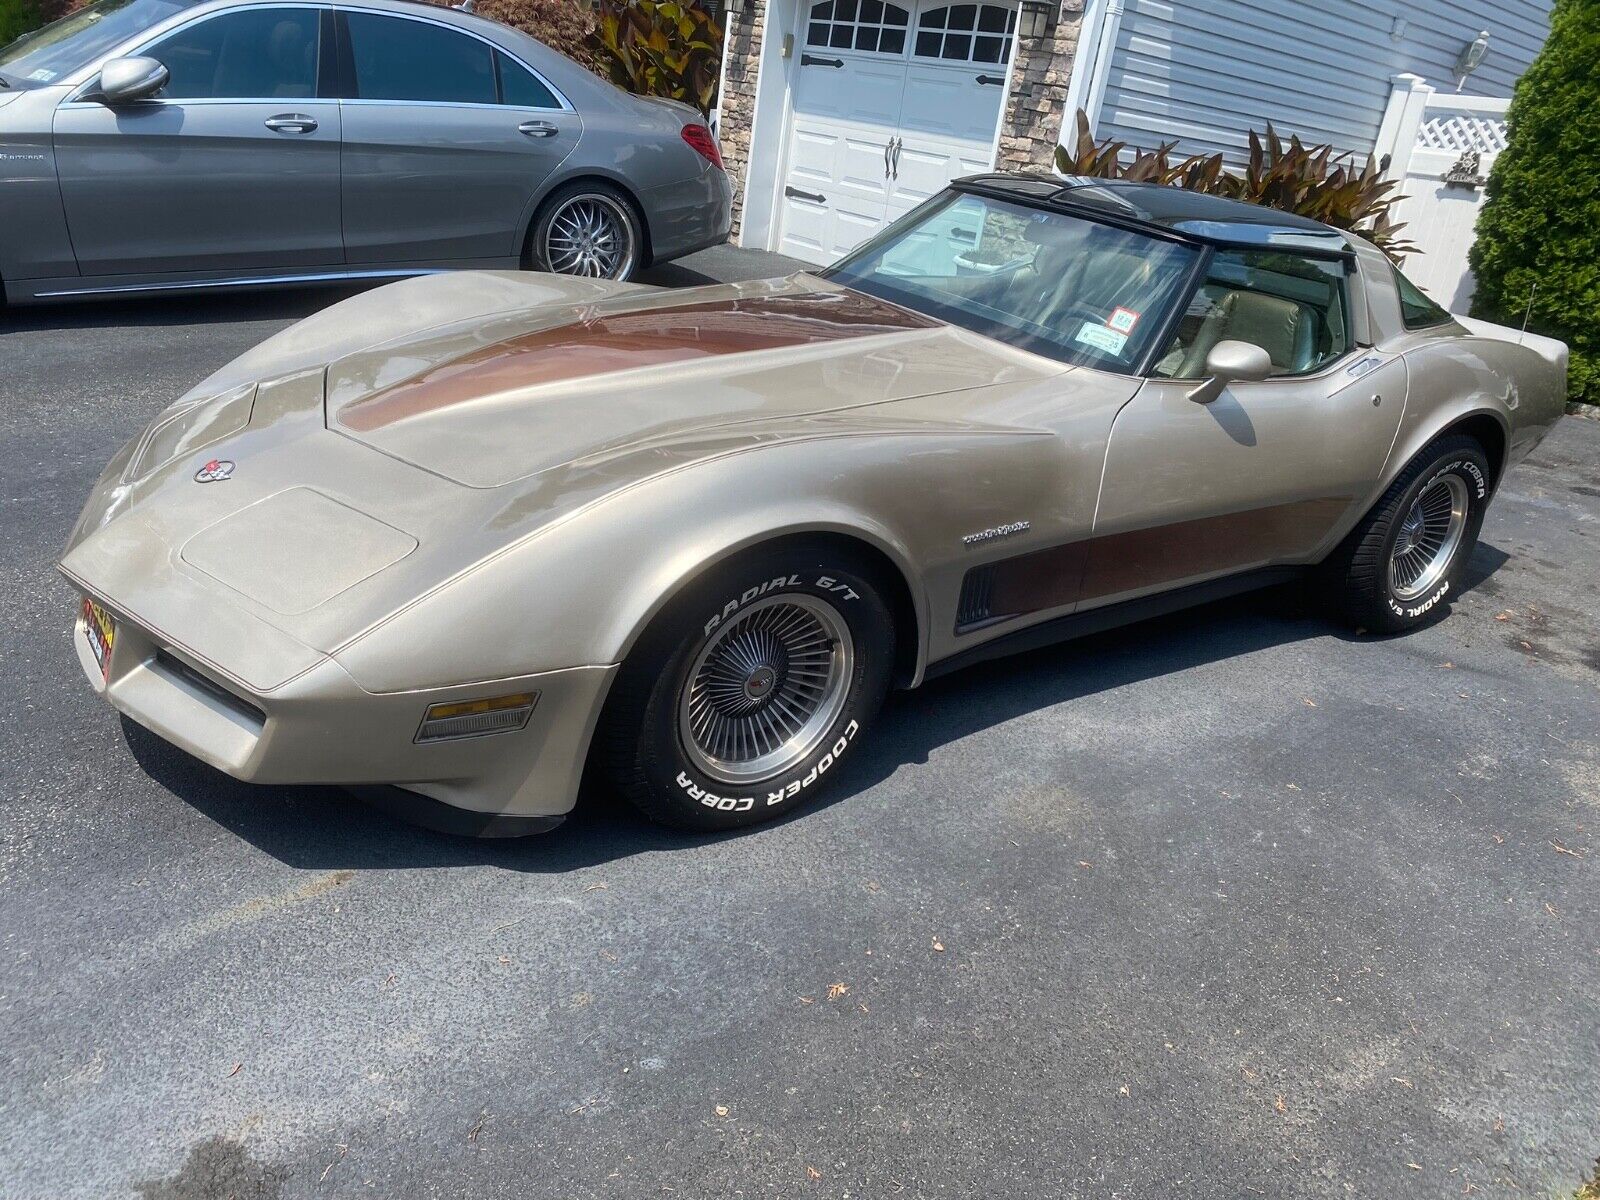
column 738, row 101
column 1029, row 130
column 1033, row 119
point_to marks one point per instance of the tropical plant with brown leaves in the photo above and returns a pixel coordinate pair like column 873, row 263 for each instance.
column 660, row 48
column 1312, row 181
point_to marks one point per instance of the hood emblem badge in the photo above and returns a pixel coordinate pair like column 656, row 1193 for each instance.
column 214, row 471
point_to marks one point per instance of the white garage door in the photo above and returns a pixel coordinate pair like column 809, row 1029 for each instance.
column 890, row 104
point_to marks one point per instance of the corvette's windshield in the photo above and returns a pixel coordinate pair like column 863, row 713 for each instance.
column 1062, row 286
column 45, row 55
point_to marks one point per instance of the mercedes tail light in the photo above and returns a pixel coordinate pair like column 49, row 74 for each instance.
column 705, row 145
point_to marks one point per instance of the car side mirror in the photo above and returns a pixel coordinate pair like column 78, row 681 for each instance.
column 124, row 80
column 1231, row 362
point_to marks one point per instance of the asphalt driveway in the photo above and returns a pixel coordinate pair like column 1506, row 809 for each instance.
column 1229, row 904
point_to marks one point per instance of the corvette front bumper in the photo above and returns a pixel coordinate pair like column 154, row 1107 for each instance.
column 321, row 727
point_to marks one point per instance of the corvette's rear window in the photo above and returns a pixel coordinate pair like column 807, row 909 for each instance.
column 1062, row 286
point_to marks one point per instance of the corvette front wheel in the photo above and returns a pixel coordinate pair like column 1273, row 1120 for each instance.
column 747, row 695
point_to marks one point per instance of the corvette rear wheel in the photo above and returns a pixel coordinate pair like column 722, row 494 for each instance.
column 1405, row 557
column 747, row 694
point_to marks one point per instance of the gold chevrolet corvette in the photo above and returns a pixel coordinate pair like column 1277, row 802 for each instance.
column 457, row 539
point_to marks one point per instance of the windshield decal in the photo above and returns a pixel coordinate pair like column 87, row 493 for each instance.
column 1101, row 338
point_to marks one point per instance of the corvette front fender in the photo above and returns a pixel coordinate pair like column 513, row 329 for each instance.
column 580, row 591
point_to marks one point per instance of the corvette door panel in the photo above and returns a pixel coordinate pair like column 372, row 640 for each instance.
column 1262, row 475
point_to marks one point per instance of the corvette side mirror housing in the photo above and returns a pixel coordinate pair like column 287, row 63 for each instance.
column 124, row 80
column 1231, row 362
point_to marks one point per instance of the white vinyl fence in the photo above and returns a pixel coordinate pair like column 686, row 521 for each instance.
column 1441, row 146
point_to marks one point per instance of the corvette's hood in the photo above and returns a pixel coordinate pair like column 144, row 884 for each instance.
column 489, row 401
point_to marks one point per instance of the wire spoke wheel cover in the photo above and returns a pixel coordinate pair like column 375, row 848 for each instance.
column 766, row 688
column 590, row 235
column 1428, row 537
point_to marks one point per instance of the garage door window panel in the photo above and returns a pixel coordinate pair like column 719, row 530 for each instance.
column 400, row 59
column 869, row 26
column 967, row 33
column 256, row 54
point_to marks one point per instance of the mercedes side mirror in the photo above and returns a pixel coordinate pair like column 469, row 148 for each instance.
column 1231, row 362
column 124, row 80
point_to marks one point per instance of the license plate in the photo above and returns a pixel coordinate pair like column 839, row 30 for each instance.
column 101, row 631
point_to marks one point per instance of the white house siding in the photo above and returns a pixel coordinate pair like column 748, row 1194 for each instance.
column 1204, row 72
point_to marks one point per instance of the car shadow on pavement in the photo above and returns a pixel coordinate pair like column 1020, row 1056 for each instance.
column 326, row 828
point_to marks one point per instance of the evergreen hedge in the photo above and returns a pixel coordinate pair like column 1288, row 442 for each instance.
column 1540, row 223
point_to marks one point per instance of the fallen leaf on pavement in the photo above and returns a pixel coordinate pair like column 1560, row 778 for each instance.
column 1560, row 849
column 835, row 990
column 237, row 1067
column 813, row 1173
column 1279, row 1104
column 938, row 945
column 721, row 1110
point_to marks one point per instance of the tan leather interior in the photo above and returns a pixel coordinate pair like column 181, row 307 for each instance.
column 1281, row 327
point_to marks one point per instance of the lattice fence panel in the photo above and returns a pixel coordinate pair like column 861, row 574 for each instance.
column 1459, row 132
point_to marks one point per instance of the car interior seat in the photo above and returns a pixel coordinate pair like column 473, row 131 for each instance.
column 1283, row 328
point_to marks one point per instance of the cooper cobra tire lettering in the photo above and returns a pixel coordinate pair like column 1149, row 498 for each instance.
column 786, row 792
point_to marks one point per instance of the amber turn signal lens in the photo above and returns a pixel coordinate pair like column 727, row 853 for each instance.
column 474, row 718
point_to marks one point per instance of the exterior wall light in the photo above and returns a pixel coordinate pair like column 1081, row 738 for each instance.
column 1471, row 58
column 1034, row 20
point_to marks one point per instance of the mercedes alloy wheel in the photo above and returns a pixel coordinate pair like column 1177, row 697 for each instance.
column 589, row 232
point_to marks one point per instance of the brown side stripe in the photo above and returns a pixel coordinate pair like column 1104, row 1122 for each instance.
column 622, row 341
column 1142, row 558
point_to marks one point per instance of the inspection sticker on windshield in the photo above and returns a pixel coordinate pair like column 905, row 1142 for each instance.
column 1122, row 319
column 1101, row 338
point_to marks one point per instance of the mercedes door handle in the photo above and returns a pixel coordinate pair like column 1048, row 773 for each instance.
column 291, row 123
column 538, row 129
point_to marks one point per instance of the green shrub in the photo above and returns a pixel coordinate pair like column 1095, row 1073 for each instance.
column 18, row 17
column 1539, row 231
column 1312, row 181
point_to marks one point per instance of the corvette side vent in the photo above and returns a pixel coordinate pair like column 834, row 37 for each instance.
column 977, row 598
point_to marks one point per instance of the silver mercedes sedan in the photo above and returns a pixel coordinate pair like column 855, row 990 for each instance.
column 153, row 145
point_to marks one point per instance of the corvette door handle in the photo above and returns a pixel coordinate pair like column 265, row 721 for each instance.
column 538, row 129
column 811, row 60
column 291, row 123
column 994, row 79
column 816, row 197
